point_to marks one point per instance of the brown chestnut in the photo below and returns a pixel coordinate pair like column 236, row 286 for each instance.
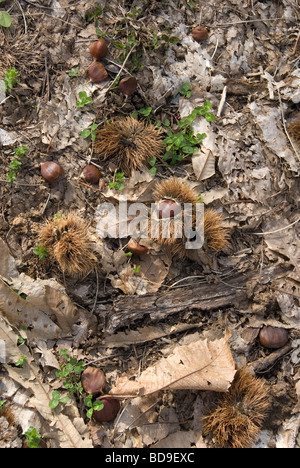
column 51, row 171
column 128, row 85
column 98, row 49
column 109, row 411
column 199, row 33
column 168, row 209
column 91, row 174
column 273, row 337
column 97, row 72
column 93, row 380
column 134, row 247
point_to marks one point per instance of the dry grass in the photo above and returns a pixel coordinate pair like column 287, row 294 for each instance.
column 237, row 420
column 129, row 143
column 20, row 51
column 67, row 240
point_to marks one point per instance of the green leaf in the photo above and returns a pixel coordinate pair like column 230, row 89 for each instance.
column 209, row 117
column 55, row 395
column 85, row 133
column 98, row 405
column 153, row 170
column 207, row 106
column 89, row 413
column 53, row 403
column 152, row 161
column 5, row 19
column 189, row 149
column 64, row 399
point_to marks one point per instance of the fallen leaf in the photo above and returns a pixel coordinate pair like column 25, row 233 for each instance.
column 199, row 365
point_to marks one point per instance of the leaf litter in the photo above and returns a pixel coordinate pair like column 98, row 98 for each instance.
column 166, row 372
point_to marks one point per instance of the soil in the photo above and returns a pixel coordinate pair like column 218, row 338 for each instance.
column 251, row 59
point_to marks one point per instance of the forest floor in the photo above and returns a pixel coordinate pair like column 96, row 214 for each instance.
column 137, row 318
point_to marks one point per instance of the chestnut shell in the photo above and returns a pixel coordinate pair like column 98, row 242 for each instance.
column 97, row 72
column 273, row 337
column 109, row 411
column 98, row 49
column 93, row 380
column 91, row 174
column 51, row 171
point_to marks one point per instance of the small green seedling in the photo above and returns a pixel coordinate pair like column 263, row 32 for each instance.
column 84, row 99
column 21, row 361
column 2, row 403
column 41, row 251
column 136, row 270
column 118, row 183
column 57, row 399
column 185, row 90
column 16, row 164
column 91, row 131
column 92, row 405
column 70, row 372
column 73, row 73
column 33, row 438
column 11, row 78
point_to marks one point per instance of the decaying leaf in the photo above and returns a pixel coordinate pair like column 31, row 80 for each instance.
column 199, row 365
column 29, row 377
column 31, row 303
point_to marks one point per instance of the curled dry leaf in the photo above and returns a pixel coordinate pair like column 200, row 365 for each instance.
column 199, row 365
column 43, row 299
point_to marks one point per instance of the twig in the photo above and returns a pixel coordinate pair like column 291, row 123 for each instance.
column 283, row 122
column 97, row 290
column 122, row 67
column 22, row 12
column 296, row 43
column 284, row 291
column 277, row 230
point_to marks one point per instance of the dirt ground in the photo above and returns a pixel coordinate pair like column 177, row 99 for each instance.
column 248, row 68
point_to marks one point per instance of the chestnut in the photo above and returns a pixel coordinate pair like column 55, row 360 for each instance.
column 91, row 174
column 98, row 49
column 128, row 85
column 273, row 337
column 93, row 380
column 134, row 247
column 109, row 411
column 51, row 171
column 97, row 72
column 200, row 33
column 168, row 209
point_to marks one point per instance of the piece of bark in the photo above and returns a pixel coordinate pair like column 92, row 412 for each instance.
column 127, row 310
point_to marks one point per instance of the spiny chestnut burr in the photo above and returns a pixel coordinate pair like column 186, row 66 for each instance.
column 238, row 418
column 199, row 33
column 109, row 411
column 128, row 85
column 51, row 171
column 273, row 337
column 97, row 72
column 68, row 241
column 134, row 247
column 91, row 174
column 98, row 49
column 93, row 380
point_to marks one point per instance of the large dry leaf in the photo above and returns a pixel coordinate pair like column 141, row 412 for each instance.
column 43, row 299
column 199, row 365
column 70, row 433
